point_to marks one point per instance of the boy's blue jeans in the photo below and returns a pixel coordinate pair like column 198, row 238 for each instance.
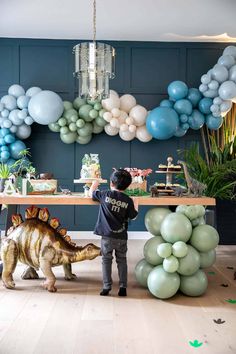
column 120, row 247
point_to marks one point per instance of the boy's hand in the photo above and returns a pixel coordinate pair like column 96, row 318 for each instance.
column 135, row 200
column 93, row 187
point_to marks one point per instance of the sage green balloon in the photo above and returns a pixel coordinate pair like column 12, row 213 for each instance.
column 164, row 250
column 71, row 112
column 207, row 259
column 80, row 123
column 179, row 249
column 97, row 106
column 162, row 284
column 74, row 118
column 181, row 209
column 189, row 264
column 54, row 127
column 171, row 264
column 96, row 128
column 198, row 221
column 141, row 271
column 101, row 112
column 92, row 102
column 67, row 105
column 194, row 285
column 62, row 122
column 69, row 138
column 154, row 218
column 100, row 121
column 84, row 112
column 84, row 139
column 72, row 127
column 150, row 250
column 64, row 130
column 86, row 130
column 93, row 113
column 204, row 238
column 191, row 212
column 78, row 102
column 176, row 227
column 200, row 210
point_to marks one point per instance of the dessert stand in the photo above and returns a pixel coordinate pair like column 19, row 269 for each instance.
column 169, row 176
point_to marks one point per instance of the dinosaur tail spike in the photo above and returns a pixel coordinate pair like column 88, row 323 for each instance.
column 16, row 220
column 44, row 214
column 31, row 212
column 54, row 223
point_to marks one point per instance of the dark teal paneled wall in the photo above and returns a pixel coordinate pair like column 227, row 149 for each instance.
column 143, row 69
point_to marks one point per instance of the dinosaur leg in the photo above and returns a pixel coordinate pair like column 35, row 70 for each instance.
column 68, row 272
column 45, row 263
column 9, row 255
column 29, row 273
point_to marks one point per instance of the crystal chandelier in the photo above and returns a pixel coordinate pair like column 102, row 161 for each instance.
column 94, row 66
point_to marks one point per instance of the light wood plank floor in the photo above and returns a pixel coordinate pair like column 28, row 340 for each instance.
column 76, row 320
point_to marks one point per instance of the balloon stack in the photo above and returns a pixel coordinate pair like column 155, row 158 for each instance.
column 79, row 121
column 125, row 117
column 182, row 245
column 219, row 83
column 10, row 147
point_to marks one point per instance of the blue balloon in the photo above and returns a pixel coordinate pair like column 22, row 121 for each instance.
column 183, row 106
column 10, row 163
column 166, row 103
column 185, row 126
column 4, row 148
column 9, row 138
column 196, row 120
column 214, row 123
column 162, row 123
column 16, row 148
column 205, row 105
column 2, row 141
column 5, row 156
column 183, row 118
column 180, row 132
column 4, row 132
column 194, row 96
column 177, row 90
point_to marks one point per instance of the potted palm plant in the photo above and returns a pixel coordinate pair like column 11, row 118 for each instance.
column 4, row 175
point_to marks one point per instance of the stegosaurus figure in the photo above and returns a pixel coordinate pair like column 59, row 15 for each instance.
column 39, row 243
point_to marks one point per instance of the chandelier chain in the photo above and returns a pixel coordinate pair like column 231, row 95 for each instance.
column 94, row 21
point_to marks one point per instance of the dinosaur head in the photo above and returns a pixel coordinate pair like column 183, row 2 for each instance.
column 180, row 162
column 91, row 251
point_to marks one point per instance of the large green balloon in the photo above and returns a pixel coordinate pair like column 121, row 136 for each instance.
column 189, row 264
column 84, row 112
column 154, row 218
column 84, row 139
column 86, row 130
column 150, row 250
column 179, row 249
column 69, row 138
column 163, row 284
column 171, row 264
column 142, row 270
column 54, row 127
column 78, row 102
column 204, row 238
column 194, row 285
column 164, row 250
column 207, row 259
column 176, row 227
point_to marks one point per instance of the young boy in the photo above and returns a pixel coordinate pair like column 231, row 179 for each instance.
column 116, row 208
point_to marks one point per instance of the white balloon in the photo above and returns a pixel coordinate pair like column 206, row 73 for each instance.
column 139, row 114
column 13, row 129
column 22, row 114
column 127, row 102
column 28, row 120
column 230, row 50
column 114, row 123
column 112, row 102
column 127, row 135
column 205, row 79
column 23, row 131
column 107, row 116
column 209, row 73
column 203, row 88
column 2, row 106
column 232, row 73
column 115, row 112
column 220, row 73
column 7, row 123
column 227, row 90
column 213, row 85
column 129, row 120
column 13, row 116
column 111, row 130
column 121, row 119
column 16, row 90
column 142, row 134
column 226, row 106
column 33, row 91
column 123, row 115
column 9, row 102
column 226, row 60
column 132, row 128
column 124, row 127
column 217, row 100
column 113, row 93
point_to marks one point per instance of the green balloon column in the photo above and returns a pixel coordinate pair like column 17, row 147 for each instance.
column 182, row 245
column 79, row 121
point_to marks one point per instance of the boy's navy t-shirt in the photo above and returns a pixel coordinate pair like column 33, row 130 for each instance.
column 114, row 211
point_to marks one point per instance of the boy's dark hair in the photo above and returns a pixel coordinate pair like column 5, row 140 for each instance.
column 121, row 179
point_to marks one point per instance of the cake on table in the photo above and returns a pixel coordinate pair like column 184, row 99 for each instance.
column 139, row 178
column 91, row 168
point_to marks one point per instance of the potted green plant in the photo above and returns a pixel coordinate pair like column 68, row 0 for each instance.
column 5, row 173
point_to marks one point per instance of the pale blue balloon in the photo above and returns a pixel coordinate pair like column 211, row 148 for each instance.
column 23, row 101
column 45, row 107
column 16, row 148
column 16, row 90
column 5, row 155
column 211, row 93
column 205, row 79
column 196, row 120
column 203, row 88
column 29, row 120
column 177, row 90
column 13, row 129
column 213, row 85
column 180, row 132
column 214, row 123
column 5, row 113
column 23, row 131
column 22, row 114
column 183, row 106
column 4, row 132
column 7, row 123
column 9, row 138
column 9, row 102
column 166, row 103
column 33, row 91
column 205, row 104
column 183, row 118
column 162, row 123
column 1, row 107
column 13, row 116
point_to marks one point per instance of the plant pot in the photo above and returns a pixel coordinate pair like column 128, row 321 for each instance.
column 226, row 221
column 2, row 184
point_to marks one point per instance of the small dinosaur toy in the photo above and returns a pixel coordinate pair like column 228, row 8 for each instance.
column 194, row 187
column 39, row 243
column 154, row 191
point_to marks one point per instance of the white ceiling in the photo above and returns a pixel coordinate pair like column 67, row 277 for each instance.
column 144, row 20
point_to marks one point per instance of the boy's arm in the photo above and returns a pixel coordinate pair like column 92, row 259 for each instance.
column 133, row 209
column 93, row 188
